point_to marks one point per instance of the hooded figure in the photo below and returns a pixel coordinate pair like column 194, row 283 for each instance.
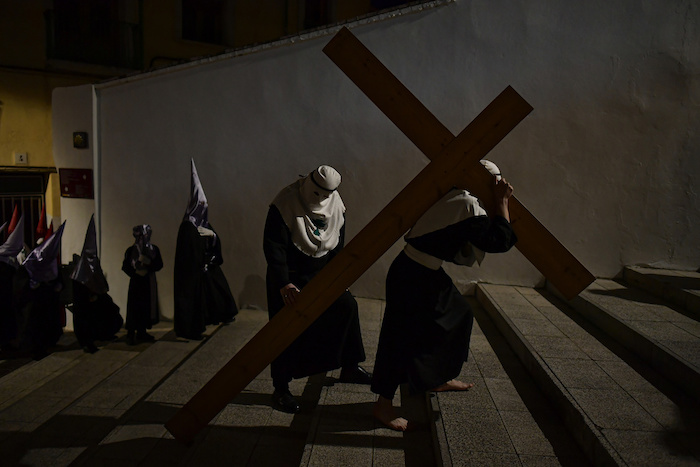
column 14, row 220
column 304, row 230
column 95, row 316
column 424, row 339
column 88, row 271
column 41, row 227
column 202, row 293
column 8, row 268
column 141, row 261
column 43, row 325
column 13, row 245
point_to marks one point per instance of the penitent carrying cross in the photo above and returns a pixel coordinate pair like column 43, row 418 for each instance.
column 454, row 162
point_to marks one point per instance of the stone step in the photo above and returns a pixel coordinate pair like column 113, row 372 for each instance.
column 69, row 376
column 334, row 427
column 138, row 435
column 32, row 375
column 343, row 430
column 505, row 419
column 667, row 340
column 110, row 408
column 62, row 416
column 619, row 411
column 681, row 288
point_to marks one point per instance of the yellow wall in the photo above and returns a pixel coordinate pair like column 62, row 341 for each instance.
column 25, row 123
column 26, row 85
column 27, row 78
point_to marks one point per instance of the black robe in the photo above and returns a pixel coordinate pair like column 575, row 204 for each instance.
column 424, row 339
column 202, row 294
column 8, row 320
column 142, row 310
column 38, row 313
column 334, row 340
column 95, row 316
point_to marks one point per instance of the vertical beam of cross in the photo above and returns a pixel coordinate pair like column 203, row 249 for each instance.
column 452, row 163
column 535, row 242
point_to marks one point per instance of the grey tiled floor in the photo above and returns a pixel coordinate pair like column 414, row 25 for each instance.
column 110, row 408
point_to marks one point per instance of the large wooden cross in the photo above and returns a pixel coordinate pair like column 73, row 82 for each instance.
column 454, row 162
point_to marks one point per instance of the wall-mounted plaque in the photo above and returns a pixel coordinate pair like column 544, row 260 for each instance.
column 76, row 183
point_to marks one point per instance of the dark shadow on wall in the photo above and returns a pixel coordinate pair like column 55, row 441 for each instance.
column 253, row 295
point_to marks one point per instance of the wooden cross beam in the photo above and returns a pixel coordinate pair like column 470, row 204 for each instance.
column 535, row 242
column 451, row 164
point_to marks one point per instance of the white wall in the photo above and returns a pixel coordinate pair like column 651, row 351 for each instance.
column 606, row 161
column 72, row 111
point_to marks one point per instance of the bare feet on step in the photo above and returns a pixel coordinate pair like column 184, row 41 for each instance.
column 384, row 412
column 453, row 385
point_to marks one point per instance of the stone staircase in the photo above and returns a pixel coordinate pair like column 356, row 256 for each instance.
column 609, row 378
column 619, row 363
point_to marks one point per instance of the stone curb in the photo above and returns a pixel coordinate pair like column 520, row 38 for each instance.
column 592, row 442
column 659, row 357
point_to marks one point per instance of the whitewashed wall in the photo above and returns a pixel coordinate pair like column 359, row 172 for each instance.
column 607, row 160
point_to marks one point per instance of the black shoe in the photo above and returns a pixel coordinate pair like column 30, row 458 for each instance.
column 355, row 375
column 130, row 339
column 144, row 336
column 90, row 348
column 39, row 354
column 284, row 402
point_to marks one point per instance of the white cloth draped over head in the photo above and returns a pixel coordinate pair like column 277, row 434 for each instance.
column 42, row 262
column 197, row 206
column 456, row 206
column 13, row 245
column 87, row 270
column 313, row 211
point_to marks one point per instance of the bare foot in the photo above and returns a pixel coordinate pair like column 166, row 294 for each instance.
column 384, row 412
column 453, row 385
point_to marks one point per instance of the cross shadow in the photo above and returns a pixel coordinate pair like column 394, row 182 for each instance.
column 689, row 283
column 630, row 294
column 636, row 295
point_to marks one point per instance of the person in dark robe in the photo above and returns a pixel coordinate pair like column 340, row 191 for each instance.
column 43, row 325
column 202, row 293
column 95, row 315
column 424, row 339
column 141, row 262
column 304, row 230
column 8, row 269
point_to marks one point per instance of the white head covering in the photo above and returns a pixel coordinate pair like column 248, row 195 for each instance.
column 197, row 207
column 42, row 264
column 454, row 207
column 13, row 245
column 313, row 211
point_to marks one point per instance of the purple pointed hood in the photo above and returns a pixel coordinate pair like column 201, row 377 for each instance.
column 87, row 270
column 13, row 245
column 197, row 207
column 42, row 264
